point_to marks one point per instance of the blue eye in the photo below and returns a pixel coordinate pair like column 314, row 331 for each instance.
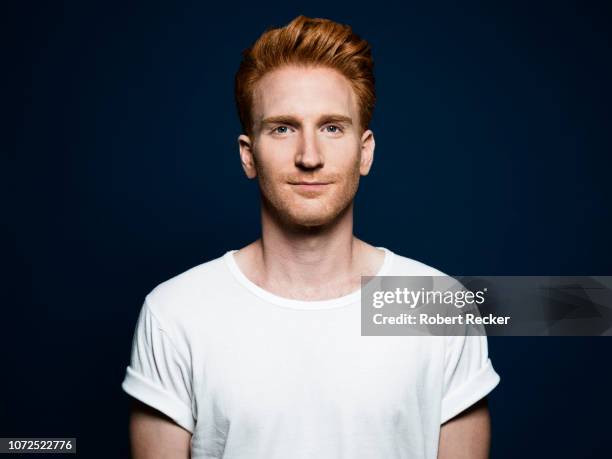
column 276, row 129
column 336, row 129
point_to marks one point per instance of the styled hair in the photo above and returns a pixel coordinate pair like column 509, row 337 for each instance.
column 307, row 42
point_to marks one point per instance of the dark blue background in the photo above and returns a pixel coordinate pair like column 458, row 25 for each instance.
column 493, row 146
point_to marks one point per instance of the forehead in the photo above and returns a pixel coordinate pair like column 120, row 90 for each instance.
column 303, row 91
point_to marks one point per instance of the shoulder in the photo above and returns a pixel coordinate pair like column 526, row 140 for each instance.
column 180, row 299
column 405, row 266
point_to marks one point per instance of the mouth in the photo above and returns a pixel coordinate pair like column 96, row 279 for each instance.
column 310, row 187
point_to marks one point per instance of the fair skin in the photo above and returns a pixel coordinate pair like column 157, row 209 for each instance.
column 307, row 150
column 155, row 436
column 306, row 129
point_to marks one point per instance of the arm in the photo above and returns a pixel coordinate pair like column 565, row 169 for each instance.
column 467, row 435
column 155, row 436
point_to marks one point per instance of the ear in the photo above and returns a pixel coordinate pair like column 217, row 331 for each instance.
column 367, row 152
column 246, row 156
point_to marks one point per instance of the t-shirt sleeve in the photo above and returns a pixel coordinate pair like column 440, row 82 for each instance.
column 468, row 374
column 158, row 375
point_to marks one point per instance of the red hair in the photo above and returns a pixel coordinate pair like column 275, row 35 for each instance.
column 312, row 42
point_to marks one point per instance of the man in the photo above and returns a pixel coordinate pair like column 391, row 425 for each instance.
column 258, row 353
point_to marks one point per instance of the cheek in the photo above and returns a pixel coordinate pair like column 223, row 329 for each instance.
column 273, row 157
column 348, row 166
column 267, row 179
column 350, row 179
column 343, row 154
column 271, row 180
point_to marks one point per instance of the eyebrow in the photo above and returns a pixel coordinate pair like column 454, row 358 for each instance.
column 289, row 119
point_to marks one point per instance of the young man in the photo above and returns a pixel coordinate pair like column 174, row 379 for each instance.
column 259, row 354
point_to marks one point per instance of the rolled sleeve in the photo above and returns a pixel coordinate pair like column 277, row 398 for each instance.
column 468, row 375
column 158, row 375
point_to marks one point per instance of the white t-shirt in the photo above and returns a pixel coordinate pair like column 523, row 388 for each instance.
column 254, row 375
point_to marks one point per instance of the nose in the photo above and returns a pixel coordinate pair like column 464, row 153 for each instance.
column 308, row 155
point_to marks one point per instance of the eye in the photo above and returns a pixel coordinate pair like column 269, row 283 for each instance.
column 280, row 130
column 335, row 129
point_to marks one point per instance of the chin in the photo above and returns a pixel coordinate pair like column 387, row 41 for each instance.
column 299, row 212
column 312, row 217
column 310, row 221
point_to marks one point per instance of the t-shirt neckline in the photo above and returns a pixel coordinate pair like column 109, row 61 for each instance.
column 301, row 304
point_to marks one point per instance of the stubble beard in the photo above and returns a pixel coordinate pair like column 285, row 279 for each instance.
column 281, row 206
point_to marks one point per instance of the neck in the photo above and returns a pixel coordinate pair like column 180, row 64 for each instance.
column 309, row 263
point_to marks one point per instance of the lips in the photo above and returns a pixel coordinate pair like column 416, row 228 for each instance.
column 310, row 183
column 310, row 187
